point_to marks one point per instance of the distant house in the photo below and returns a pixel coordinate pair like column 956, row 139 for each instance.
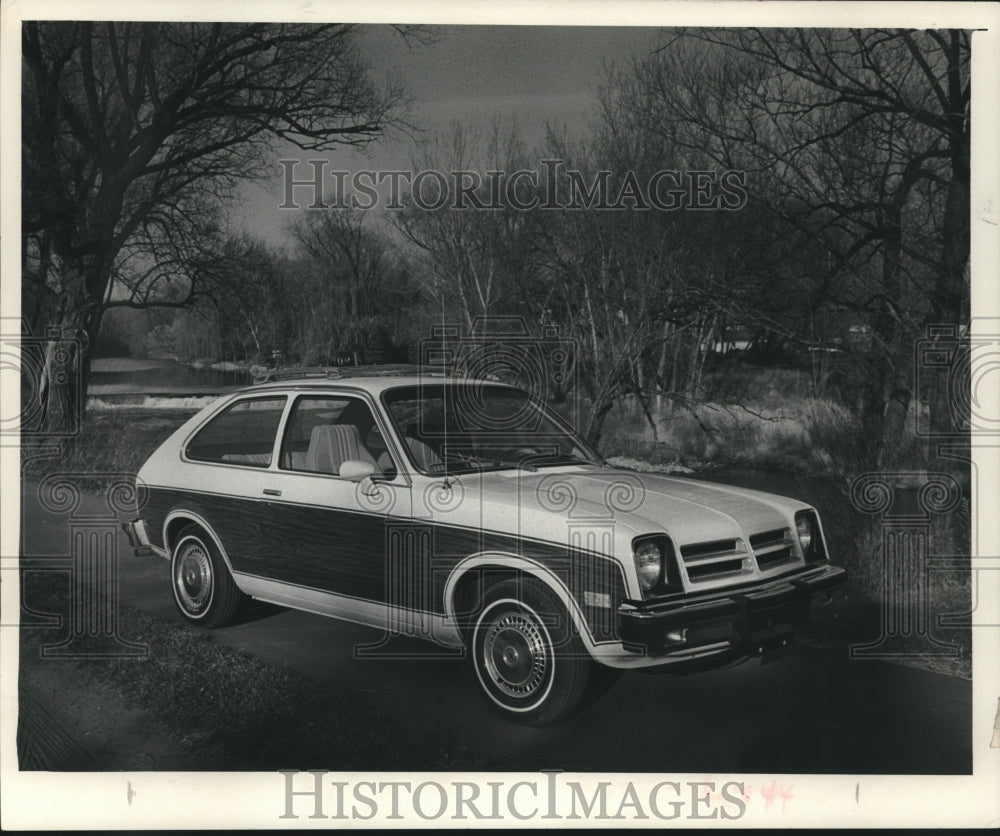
column 736, row 338
column 725, row 346
column 859, row 336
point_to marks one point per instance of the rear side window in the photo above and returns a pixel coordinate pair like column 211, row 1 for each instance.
column 243, row 434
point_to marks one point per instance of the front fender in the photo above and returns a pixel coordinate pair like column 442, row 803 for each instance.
column 528, row 566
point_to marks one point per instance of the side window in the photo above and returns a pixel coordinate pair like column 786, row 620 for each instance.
column 243, row 434
column 324, row 432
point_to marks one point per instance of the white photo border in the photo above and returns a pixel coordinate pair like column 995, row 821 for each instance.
column 253, row 800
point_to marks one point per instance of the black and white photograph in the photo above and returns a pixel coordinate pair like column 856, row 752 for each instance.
column 579, row 415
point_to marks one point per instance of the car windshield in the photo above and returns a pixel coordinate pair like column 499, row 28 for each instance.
column 464, row 427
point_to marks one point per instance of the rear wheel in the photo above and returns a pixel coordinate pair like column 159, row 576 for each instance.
column 204, row 592
column 526, row 655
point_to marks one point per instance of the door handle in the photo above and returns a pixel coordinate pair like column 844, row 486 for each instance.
column 272, row 492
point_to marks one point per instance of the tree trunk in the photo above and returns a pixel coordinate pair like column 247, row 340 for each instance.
column 894, row 419
column 59, row 381
column 600, row 412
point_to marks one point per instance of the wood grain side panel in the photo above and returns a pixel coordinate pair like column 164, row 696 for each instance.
column 402, row 562
column 236, row 521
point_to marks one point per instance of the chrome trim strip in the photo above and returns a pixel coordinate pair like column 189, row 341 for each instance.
column 776, row 546
column 426, row 625
column 717, row 557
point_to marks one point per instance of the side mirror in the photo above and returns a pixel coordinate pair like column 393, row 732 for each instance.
column 356, row 469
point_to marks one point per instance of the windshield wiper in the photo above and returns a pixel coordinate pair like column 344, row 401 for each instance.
column 520, row 464
column 556, row 458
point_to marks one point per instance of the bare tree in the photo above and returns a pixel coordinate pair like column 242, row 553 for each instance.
column 355, row 264
column 133, row 132
column 472, row 245
column 641, row 289
column 859, row 142
column 353, row 254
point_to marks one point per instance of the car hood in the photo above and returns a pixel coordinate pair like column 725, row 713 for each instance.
column 548, row 503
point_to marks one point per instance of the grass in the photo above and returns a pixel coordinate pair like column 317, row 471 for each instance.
column 114, row 441
column 744, row 435
column 234, row 712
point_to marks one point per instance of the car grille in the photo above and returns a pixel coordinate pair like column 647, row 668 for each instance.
column 773, row 548
column 715, row 560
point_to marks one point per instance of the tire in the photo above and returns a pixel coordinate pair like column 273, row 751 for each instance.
column 525, row 653
column 204, row 592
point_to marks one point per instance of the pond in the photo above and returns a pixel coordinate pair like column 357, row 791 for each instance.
column 151, row 375
column 159, row 384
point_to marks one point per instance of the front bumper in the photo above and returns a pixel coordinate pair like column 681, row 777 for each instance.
column 748, row 620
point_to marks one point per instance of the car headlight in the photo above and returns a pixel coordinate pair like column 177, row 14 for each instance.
column 807, row 529
column 648, row 557
column 803, row 525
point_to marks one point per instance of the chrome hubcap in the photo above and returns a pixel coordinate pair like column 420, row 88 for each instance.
column 193, row 578
column 515, row 655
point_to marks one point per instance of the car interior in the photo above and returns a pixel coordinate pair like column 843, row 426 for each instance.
column 323, row 433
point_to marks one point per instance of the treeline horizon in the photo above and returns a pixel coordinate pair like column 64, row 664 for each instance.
column 851, row 237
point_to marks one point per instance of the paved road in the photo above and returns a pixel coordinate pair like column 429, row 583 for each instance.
column 814, row 712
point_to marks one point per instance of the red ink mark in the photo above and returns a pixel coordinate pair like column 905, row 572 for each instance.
column 769, row 793
column 785, row 795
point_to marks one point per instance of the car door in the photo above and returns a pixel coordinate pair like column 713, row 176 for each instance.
column 228, row 459
column 326, row 532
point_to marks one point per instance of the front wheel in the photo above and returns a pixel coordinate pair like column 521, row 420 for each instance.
column 526, row 654
column 203, row 589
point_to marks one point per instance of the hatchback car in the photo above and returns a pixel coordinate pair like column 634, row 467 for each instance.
column 468, row 513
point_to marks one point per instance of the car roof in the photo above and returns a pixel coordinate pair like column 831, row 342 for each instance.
column 376, row 384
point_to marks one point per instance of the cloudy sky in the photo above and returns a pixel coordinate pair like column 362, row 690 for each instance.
column 533, row 73
column 475, row 75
